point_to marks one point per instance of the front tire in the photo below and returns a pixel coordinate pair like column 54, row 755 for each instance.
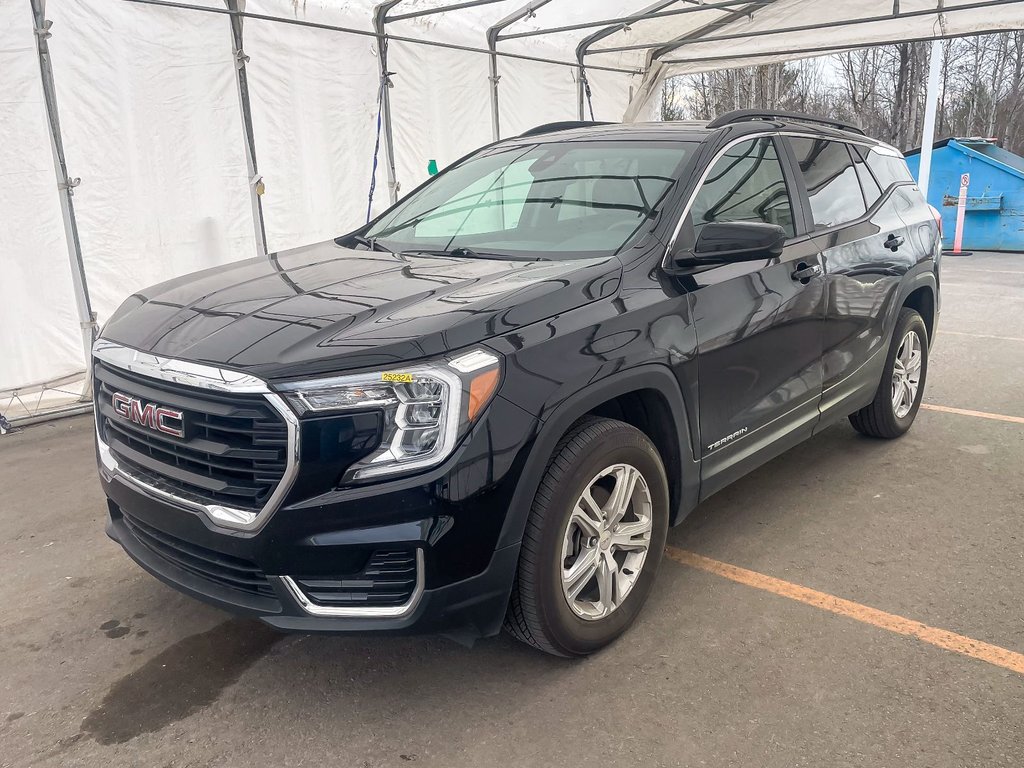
column 593, row 540
column 899, row 393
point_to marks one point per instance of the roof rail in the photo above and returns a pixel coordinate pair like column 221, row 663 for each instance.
column 743, row 115
column 562, row 125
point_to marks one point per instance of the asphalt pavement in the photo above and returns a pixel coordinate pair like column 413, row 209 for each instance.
column 104, row 666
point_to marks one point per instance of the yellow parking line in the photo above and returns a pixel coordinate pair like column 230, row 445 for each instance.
column 944, row 332
column 940, row 638
column 991, row 271
column 988, row 296
column 976, row 414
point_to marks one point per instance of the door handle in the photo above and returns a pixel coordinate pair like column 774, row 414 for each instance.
column 892, row 242
column 804, row 272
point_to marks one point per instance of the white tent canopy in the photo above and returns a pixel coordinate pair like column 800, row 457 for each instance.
column 175, row 116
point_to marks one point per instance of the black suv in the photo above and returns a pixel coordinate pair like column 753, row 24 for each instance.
column 488, row 405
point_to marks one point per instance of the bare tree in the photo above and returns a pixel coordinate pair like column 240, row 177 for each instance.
column 883, row 89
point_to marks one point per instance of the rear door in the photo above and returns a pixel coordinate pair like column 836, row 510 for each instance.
column 865, row 248
column 759, row 327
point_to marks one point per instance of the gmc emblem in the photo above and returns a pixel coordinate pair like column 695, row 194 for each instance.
column 159, row 418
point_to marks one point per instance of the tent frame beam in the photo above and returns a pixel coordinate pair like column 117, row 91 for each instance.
column 837, row 48
column 440, row 9
column 66, row 185
column 620, row 21
column 666, row 47
column 366, row 33
column 698, row 35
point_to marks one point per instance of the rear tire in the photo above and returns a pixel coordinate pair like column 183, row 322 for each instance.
column 585, row 569
column 899, row 393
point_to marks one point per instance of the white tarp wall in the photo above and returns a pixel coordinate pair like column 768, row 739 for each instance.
column 150, row 119
column 152, row 123
column 314, row 104
column 39, row 335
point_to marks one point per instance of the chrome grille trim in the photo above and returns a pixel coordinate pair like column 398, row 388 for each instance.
column 199, row 376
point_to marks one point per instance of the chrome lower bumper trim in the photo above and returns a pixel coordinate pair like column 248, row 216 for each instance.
column 361, row 612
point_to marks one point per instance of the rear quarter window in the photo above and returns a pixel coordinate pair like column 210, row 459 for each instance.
column 868, row 184
column 888, row 169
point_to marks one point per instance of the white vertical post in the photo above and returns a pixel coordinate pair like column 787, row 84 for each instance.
column 930, row 107
column 961, row 210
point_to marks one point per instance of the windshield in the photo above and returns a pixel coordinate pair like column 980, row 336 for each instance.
column 541, row 201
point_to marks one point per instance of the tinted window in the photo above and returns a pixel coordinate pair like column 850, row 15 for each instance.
column 588, row 198
column 888, row 169
column 745, row 184
column 868, row 184
column 831, row 181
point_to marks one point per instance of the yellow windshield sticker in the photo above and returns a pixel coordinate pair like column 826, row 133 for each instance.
column 398, row 378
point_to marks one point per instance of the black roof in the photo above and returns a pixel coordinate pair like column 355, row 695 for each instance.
column 663, row 131
column 693, row 130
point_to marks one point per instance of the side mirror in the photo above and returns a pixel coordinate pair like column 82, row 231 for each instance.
column 722, row 242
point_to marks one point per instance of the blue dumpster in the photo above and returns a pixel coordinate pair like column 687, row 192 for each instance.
column 994, row 219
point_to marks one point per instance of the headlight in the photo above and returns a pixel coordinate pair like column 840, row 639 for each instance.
column 427, row 408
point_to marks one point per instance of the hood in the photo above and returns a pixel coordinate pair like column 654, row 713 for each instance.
column 324, row 308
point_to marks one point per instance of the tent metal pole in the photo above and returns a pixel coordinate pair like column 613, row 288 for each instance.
column 494, row 77
column 620, row 21
column 698, row 35
column 930, row 108
column 581, row 84
column 66, row 185
column 939, row 12
column 380, row 14
column 367, row 33
column 441, row 9
column 492, row 46
column 601, row 34
column 237, row 8
column 813, row 51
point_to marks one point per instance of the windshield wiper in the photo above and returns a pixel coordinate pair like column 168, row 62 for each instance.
column 462, row 252
column 370, row 243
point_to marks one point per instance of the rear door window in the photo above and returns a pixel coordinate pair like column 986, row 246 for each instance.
column 831, row 181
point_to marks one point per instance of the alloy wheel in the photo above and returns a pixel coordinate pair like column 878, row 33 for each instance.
column 606, row 541
column 906, row 374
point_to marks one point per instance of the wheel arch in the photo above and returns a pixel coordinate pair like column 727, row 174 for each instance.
column 922, row 300
column 649, row 395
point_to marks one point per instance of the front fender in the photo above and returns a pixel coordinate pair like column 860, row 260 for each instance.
column 560, row 418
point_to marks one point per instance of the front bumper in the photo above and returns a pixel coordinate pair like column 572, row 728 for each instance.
column 473, row 607
column 448, row 521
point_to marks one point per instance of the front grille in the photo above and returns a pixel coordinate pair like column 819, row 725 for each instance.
column 223, row 570
column 387, row 580
column 234, row 452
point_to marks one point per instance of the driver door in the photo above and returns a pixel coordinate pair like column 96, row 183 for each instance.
column 759, row 324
